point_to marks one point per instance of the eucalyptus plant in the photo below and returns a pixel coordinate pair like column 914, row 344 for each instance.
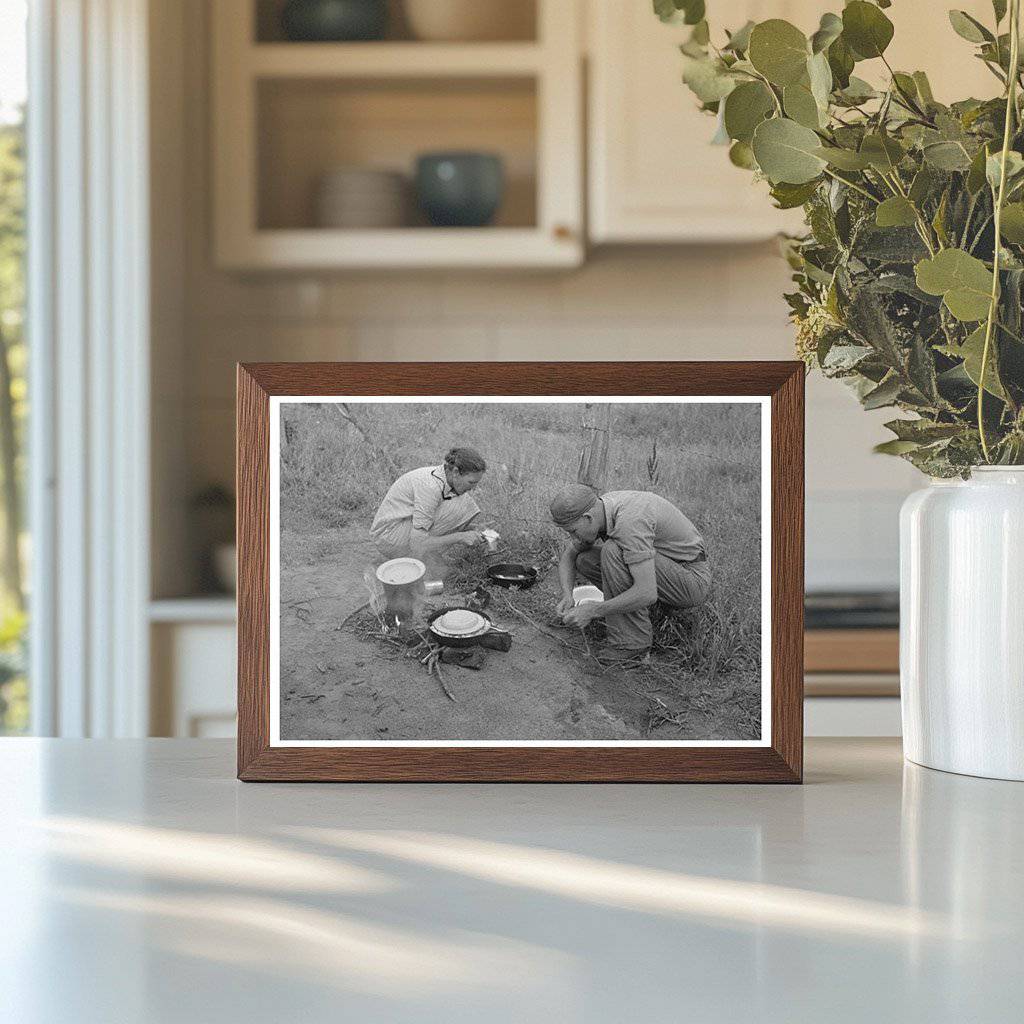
column 910, row 278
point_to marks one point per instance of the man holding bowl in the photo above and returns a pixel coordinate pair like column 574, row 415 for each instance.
column 638, row 548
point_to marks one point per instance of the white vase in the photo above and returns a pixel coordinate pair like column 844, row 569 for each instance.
column 962, row 624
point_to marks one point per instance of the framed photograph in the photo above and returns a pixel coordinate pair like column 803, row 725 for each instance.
column 520, row 571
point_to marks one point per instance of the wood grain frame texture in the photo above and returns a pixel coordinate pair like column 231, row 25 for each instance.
column 782, row 761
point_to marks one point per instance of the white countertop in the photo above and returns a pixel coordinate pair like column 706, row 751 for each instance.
column 140, row 882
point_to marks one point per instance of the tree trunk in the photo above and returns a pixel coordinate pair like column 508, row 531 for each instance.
column 593, row 467
column 10, row 492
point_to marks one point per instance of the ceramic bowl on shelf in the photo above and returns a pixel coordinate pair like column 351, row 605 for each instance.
column 334, row 21
column 362, row 197
column 460, row 189
column 470, row 20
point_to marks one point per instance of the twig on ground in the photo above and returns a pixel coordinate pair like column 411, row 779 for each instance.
column 434, row 668
column 536, row 625
column 352, row 614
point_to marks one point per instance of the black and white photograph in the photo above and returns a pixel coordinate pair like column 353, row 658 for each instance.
column 515, row 571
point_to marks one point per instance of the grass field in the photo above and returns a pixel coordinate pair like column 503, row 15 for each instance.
column 337, row 462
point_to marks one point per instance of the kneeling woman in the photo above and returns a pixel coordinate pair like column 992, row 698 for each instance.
column 430, row 509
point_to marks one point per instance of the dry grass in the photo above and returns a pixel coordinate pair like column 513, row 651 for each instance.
column 703, row 458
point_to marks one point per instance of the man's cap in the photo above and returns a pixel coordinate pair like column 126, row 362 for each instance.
column 571, row 503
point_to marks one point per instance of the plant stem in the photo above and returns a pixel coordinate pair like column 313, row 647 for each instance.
column 1011, row 108
column 853, row 185
column 768, row 86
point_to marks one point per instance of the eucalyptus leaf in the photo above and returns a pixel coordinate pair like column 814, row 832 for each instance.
column 889, row 246
column 923, row 431
column 788, row 196
column 866, row 29
column 721, row 136
column 905, row 84
column 947, row 156
column 739, row 41
column 786, row 151
column 921, row 370
column 741, row 155
column 894, row 212
column 883, row 395
column 883, row 152
column 666, row 10
column 924, row 88
column 842, row 358
column 976, row 173
column 693, row 10
column 993, row 167
column 895, row 447
column 779, row 51
column 841, row 62
column 969, row 28
column 844, row 159
column 999, row 9
column 708, row 80
column 963, row 281
column 857, row 91
column 819, row 75
column 829, row 30
column 922, row 185
column 801, row 106
column 1012, row 223
column 868, row 320
column 689, row 12
column 745, row 108
column 972, row 351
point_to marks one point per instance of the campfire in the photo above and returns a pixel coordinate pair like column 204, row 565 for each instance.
column 410, row 614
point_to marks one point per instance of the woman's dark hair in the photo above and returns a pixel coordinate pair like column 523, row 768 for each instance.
column 465, row 460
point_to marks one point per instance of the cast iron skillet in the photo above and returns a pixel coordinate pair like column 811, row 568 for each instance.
column 496, row 639
column 511, row 574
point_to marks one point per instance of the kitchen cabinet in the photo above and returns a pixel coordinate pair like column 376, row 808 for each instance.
column 653, row 175
column 287, row 114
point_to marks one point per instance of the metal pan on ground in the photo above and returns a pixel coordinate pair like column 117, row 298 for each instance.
column 511, row 574
column 468, row 628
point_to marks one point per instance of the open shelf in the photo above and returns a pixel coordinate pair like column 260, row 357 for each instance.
column 308, row 127
column 286, row 114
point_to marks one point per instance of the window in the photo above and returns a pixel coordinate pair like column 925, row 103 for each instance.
column 14, row 693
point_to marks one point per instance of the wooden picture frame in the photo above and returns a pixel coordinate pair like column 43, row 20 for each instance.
column 778, row 759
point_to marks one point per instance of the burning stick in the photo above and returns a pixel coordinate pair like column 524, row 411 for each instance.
column 434, row 666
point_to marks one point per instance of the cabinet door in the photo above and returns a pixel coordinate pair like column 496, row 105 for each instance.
column 654, row 176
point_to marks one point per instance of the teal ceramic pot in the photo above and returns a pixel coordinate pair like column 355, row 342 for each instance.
column 334, row 21
column 460, row 189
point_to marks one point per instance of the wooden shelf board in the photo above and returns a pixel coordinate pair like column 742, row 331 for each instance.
column 392, row 60
column 198, row 609
column 852, row 650
column 402, row 247
column 851, row 684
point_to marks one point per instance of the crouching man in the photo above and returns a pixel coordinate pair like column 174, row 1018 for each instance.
column 638, row 548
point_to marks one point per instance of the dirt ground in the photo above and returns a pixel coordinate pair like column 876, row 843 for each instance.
column 337, row 684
